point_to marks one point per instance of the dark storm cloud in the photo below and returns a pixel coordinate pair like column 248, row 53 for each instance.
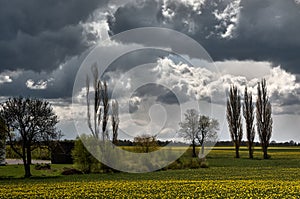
column 146, row 13
column 59, row 82
column 40, row 35
column 267, row 30
column 135, row 58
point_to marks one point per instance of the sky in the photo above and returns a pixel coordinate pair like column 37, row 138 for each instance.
column 43, row 45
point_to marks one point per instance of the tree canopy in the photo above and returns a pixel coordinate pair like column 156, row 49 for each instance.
column 31, row 123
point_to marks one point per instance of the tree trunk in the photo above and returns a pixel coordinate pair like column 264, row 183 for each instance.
column 27, row 169
column 265, row 150
column 202, row 151
column 194, row 149
column 28, row 153
column 251, row 152
column 237, row 154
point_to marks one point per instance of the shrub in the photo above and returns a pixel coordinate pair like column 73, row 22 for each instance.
column 204, row 164
column 83, row 159
column 71, row 171
column 42, row 167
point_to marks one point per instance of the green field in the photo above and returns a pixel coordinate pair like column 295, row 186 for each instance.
column 227, row 177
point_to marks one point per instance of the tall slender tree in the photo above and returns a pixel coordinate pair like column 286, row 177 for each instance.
column 248, row 111
column 98, row 113
column 115, row 120
column 100, row 108
column 264, row 117
column 234, row 118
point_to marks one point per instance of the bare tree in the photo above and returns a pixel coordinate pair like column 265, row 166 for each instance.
column 234, row 118
column 115, row 121
column 248, row 111
column 190, row 128
column 198, row 129
column 32, row 123
column 264, row 117
column 208, row 128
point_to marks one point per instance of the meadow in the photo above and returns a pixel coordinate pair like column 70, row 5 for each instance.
column 226, row 177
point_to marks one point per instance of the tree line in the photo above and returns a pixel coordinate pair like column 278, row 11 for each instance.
column 236, row 109
column 31, row 123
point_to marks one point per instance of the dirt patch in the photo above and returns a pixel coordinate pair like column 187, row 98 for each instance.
column 19, row 161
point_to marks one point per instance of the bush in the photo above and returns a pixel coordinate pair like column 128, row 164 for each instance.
column 83, row 159
column 195, row 163
column 188, row 163
column 42, row 167
column 71, row 171
column 204, row 164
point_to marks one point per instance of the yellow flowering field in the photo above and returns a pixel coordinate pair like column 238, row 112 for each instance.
column 155, row 189
column 226, row 177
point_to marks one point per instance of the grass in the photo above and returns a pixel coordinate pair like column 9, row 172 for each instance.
column 227, row 177
column 17, row 171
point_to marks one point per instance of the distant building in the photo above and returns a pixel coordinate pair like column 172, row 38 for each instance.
column 3, row 129
column 2, row 153
column 61, row 152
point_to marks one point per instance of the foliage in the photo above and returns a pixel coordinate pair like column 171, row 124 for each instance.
column 83, row 159
column 264, row 117
column 42, row 167
column 31, row 124
column 70, row 171
column 248, row 111
column 40, row 153
column 234, row 118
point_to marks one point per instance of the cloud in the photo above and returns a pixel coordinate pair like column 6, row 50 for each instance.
column 258, row 30
column 5, row 79
column 228, row 18
column 40, row 35
column 202, row 84
column 39, row 85
column 57, row 84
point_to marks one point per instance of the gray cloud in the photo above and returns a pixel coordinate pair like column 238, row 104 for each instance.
column 40, row 35
column 264, row 30
column 57, row 84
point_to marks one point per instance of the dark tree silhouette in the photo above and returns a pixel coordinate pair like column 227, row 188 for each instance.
column 100, row 108
column 98, row 123
column 264, row 117
column 31, row 124
column 248, row 111
column 105, row 109
column 115, row 121
column 234, row 118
